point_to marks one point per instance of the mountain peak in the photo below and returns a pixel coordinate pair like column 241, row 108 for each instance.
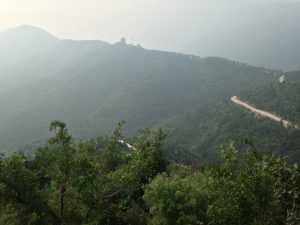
column 24, row 42
column 28, row 30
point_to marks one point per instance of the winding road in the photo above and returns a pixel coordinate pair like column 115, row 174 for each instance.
column 262, row 113
column 259, row 112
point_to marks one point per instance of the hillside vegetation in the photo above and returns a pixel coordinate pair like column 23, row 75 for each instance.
column 102, row 182
column 199, row 133
column 282, row 98
column 216, row 163
column 92, row 85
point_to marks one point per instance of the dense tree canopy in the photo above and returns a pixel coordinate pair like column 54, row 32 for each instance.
column 101, row 181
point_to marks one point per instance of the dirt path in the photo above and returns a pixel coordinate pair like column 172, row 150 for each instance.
column 262, row 113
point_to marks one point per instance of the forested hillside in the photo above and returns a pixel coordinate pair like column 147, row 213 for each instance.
column 200, row 132
column 193, row 121
column 101, row 181
column 92, row 85
column 281, row 98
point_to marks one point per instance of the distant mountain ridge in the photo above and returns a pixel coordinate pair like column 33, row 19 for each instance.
column 92, row 85
column 22, row 42
column 272, row 43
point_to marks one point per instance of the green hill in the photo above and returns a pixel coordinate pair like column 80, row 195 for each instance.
column 92, row 85
column 199, row 133
column 281, row 98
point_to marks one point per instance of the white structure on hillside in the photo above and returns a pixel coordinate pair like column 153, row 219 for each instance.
column 281, row 79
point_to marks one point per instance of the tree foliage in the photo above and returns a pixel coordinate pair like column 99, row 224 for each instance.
column 102, row 181
column 243, row 189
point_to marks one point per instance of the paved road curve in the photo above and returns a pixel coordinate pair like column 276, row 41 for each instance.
column 262, row 113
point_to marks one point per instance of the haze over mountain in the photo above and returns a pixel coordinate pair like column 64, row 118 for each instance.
column 21, row 43
column 257, row 32
column 271, row 40
column 276, row 47
column 92, row 85
column 131, row 112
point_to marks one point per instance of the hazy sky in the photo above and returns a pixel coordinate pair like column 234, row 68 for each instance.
column 154, row 23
